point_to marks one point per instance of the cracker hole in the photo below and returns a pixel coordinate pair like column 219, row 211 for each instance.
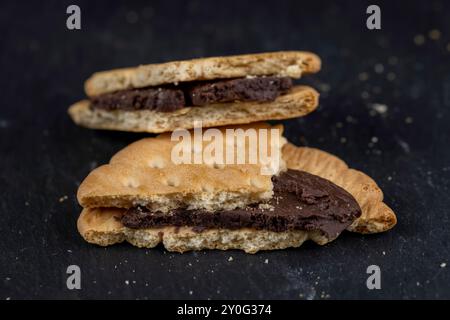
column 257, row 183
column 131, row 183
column 173, row 182
column 218, row 165
column 156, row 163
column 207, row 188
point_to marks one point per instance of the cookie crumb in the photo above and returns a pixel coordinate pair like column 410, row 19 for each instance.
column 365, row 95
column 419, row 39
column 434, row 34
column 384, row 253
column 324, row 87
column 380, row 108
column 443, row 265
column 391, row 76
column 266, row 261
column 350, row 119
column 393, row 60
column 127, row 282
column 132, row 17
column 379, row 68
column 409, row 120
column 230, row 259
column 363, row 76
column 63, row 198
column 191, row 292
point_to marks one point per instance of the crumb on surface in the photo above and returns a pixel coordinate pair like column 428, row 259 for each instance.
column 363, row 76
column 364, row 95
column 379, row 68
column 391, row 76
column 380, row 108
column 434, row 34
column 419, row 39
column 409, row 120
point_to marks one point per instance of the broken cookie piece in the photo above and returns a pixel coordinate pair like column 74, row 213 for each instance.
column 301, row 201
column 187, row 207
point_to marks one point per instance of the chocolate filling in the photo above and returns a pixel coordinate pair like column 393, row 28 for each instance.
column 246, row 89
column 156, row 99
column 301, row 201
column 170, row 98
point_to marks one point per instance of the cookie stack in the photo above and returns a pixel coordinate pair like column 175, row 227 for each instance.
column 146, row 197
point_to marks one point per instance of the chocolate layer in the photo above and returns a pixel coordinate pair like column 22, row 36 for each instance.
column 301, row 201
column 171, row 98
column 157, row 99
column 245, row 89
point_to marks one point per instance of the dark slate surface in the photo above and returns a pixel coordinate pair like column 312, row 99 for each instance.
column 44, row 156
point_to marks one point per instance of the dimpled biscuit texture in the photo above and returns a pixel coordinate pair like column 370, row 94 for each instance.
column 144, row 174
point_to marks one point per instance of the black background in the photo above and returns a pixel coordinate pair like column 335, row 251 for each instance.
column 44, row 156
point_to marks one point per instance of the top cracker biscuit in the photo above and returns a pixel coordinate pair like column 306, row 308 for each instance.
column 284, row 63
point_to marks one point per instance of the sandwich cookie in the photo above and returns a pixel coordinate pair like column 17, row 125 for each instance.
column 217, row 91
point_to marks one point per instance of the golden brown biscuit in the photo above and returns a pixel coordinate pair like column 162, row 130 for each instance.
column 284, row 63
column 300, row 101
column 102, row 226
column 144, row 174
column 376, row 215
